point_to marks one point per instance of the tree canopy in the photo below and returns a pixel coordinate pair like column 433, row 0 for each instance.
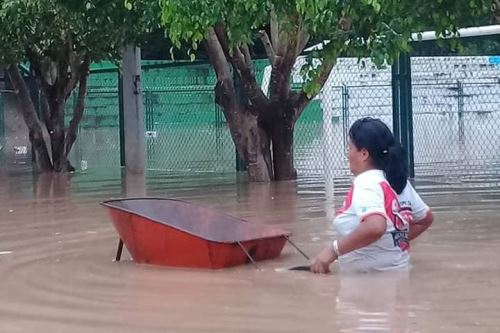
column 97, row 29
column 261, row 123
column 59, row 39
column 380, row 29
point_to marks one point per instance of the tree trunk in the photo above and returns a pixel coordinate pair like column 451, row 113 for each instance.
column 57, row 102
column 26, row 107
column 261, row 127
column 265, row 139
column 282, row 144
column 253, row 145
column 250, row 138
column 77, row 115
column 57, row 143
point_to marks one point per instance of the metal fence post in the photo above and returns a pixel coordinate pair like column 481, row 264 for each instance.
column 345, row 113
column 121, row 119
column 149, row 113
column 460, row 100
column 402, row 112
column 148, row 105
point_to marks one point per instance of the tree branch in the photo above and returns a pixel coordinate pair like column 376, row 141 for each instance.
column 36, row 72
column 234, row 55
column 267, row 46
column 302, row 41
column 27, row 109
column 241, row 61
column 243, row 64
column 290, row 46
column 301, row 99
column 246, row 54
column 45, row 108
column 220, row 33
column 282, row 68
column 23, row 96
column 75, row 64
column 224, row 90
column 274, row 28
column 69, row 140
column 281, row 48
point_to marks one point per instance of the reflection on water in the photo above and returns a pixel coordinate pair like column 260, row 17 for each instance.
column 57, row 246
column 374, row 302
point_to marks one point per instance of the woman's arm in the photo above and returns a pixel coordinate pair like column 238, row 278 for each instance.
column 368, row 231
column 417, row 228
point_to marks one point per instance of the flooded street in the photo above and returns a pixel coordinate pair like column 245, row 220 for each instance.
column 57, row 247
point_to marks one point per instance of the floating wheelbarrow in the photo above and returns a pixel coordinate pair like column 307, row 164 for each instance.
column 176, row 233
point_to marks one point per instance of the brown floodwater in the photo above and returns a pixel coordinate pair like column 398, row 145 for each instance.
column 58, row 275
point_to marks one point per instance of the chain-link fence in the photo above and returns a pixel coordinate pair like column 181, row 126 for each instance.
column 185, row 129
column 354, row 89
column 456, row 107
column 98, row 140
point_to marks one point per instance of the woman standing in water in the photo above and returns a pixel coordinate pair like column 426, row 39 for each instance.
column 382, row 212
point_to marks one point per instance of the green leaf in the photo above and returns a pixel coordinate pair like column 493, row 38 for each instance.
column 378, row 29
column 128, row 4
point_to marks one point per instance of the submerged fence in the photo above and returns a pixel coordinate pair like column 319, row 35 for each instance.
column 456, row 116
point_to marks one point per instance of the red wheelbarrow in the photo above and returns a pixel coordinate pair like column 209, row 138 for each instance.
column 176, row 233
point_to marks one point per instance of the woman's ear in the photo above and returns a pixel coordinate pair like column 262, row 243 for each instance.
column 365, row 155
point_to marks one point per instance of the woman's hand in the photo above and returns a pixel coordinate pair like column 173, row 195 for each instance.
column 418, row 227
column 321, row 264
column 369, row 231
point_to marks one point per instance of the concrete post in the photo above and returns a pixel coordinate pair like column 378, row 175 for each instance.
column 132, row 112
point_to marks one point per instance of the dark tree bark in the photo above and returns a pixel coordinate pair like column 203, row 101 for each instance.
column 26, row 107
column 249, row 138
column 56, row 79
column 77, row 114
column 261, row 126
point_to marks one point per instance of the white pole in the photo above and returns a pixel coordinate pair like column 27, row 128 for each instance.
column 328, row 141
column 431, row 35
column 462, row 33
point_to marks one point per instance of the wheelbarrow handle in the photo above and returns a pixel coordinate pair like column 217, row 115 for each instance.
column 296, row 247
column 119, row 250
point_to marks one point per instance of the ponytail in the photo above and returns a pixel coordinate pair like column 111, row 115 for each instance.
column 386, row 153
column 396, row 167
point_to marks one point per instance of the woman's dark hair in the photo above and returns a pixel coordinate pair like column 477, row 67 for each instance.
column 387, row 154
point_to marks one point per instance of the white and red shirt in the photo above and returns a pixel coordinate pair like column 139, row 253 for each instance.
column 371, row 194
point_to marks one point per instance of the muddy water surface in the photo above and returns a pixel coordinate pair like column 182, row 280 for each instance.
column 57, row 272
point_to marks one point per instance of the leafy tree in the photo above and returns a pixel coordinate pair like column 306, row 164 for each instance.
column 262, row 125
column 59, row 39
